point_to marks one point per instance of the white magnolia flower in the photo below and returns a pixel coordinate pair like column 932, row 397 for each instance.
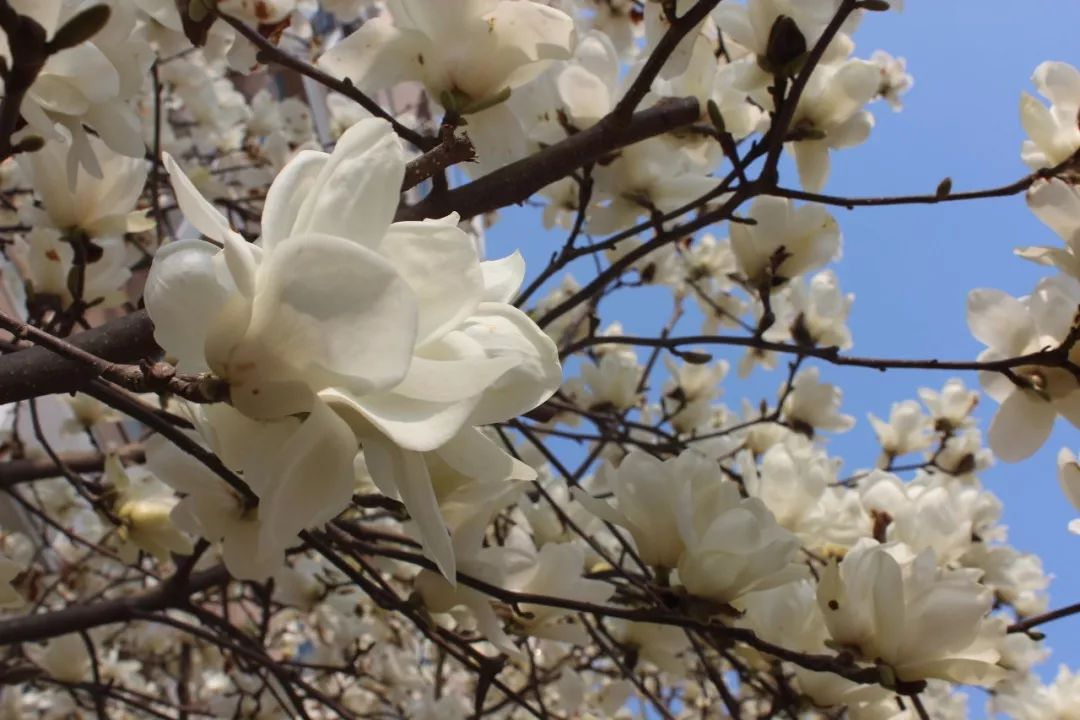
column 1069, row 479
column 88, row 84
column 646, row 494
column 614, row 380
column 99, row 208
column 295, row 314
column 733, row 545
column 1057, row 204
column 468, row 54
column 750, row 26
column 906, row 431
column 82, row 222
column 950, row 408
column 791, row 480
column 555, row 571
column 895, row 80
column 784, row 242
column 65, row 658
column 651, row 175
column 1052, row 131
column 908, row 614
column 820, row 312
column 690, row 391
column 143, row 506
column 1012, row 327
column 789, row 615
column 926, row 513
column 301, row 472
column 830, row 116
column 813, row 405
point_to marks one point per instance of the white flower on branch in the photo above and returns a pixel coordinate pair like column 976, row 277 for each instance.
column 1034, row 395
column 910, row 616
column 1053, row 134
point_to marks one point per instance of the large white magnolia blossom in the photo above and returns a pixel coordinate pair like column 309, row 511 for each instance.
column 1012, row 327
column 399, row 328
column 784, row 241
column 88, row 85
column 469, row 55
column 1053, row 134
column 82, row 221
column 387, row 516
column 906, row 613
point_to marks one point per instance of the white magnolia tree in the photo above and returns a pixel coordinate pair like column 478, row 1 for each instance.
column 280, row 440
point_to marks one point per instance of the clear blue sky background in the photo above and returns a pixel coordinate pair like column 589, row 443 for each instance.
column 910, row 268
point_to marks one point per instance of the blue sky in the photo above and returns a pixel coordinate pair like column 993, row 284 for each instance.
column 910, row 268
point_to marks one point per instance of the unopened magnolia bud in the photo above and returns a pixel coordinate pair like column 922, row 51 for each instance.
column 80, row 28
column 786, row 45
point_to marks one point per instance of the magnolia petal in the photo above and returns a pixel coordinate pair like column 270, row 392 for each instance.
column 812, row 160
column 198, row 211
column 183, row 290
column 356, row 192
column 332, row 312
column 1021, row 425
column 418, row 425
column 507, row 333
column 452, row 370
column 472, row 454
column 1057, row 204
column 378, row 56
column 313, row 477
column 439, row 262
column 1069, row 476
column 999, row 321
column 286, row 195
column 410, row 476
column 503, row 277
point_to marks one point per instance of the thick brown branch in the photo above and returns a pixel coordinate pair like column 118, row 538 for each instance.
column 38, row 371
column 156, row 377
column 24, row 470
column 47, row 625
column 515, row 182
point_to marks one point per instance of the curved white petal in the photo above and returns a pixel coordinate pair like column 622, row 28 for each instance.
column 438, row 260
column 506, row 332
column 410, row 476
column 286, row 195
column 1021, row 426
column 503, row 277
column 329, row 312
column 184, row 289
column 356, row 192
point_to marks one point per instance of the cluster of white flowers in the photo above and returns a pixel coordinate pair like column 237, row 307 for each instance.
column 360, row 481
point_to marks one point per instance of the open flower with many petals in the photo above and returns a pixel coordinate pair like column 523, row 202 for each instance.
column 909, row 615
column 1012, row 327
column 646, row 493
column 785, row 241
column 1057, row 204
column 830, row 116
column 88, row 85
column 399, row 327
column 300, row 470
column 733, row 545
column 1053, row 134
column 469, row 55
column 143, row 505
